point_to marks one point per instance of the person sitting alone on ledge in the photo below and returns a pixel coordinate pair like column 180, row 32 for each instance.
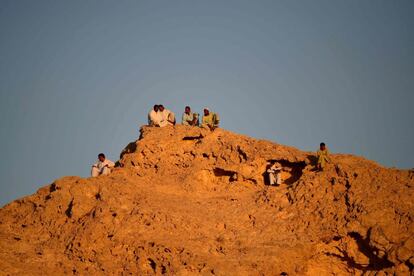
column 323, row 157
column 102, row 167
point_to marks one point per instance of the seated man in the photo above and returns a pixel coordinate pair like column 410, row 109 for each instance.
column 102, row 167
column 323, row 157
column 154, row 116
column 189, row 118
column 167, row 117
column 210, row 120
column 275, row 174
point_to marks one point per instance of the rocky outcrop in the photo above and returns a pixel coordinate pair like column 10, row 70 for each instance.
column 189, row 201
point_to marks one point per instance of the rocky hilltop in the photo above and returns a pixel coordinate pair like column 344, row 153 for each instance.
column 187, row 201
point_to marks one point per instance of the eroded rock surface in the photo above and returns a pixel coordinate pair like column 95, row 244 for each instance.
column 187, row 201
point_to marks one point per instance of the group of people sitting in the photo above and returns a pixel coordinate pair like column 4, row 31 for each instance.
column 161, row 117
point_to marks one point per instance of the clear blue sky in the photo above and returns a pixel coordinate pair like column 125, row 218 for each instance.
column 79, row 77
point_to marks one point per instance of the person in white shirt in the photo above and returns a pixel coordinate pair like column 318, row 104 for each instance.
column 167, row 117
column 275, row 174
column 189, row 118
column 102, row 167
column 154, row 116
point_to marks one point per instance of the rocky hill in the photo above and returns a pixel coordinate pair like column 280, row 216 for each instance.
column 187, row 201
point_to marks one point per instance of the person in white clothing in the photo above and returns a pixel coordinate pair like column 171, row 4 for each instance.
column 154, row 116
column 102, row 167
column 189, row 118
column 275, row 174
column 167, row 117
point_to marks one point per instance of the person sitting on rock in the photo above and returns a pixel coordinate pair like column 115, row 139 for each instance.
column 189, row 118
column 323, row 157
column 154, row 116
column 167, row 117
column 274, row 172
column 102, row 167
column 210, row 120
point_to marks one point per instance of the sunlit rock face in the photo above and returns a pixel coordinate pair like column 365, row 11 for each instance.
column 185, row 201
